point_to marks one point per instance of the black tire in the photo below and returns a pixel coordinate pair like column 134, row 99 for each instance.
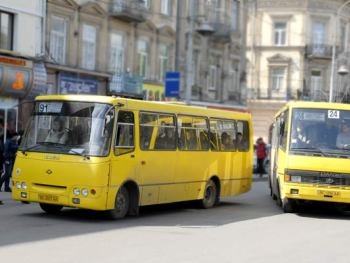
column 51, row 209
column 210, row 195
column 121, row 206
column 287, row 205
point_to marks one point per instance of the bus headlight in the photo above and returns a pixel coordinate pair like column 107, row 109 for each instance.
column 18, row 185
column 24, row 185
column 85, row 192
column 76, row 191
column 295, row 178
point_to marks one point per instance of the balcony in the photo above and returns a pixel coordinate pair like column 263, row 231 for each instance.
column 322, row 51
column 128, row 10
column 221, row 23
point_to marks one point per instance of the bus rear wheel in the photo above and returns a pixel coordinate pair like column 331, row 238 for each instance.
column 122, row 202
column 210, row 195
column 51, row 209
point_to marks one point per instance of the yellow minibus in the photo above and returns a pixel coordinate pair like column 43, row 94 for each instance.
column 310, row 154
column 116, row 154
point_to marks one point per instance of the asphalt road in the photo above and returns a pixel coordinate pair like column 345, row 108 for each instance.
column 248, row 228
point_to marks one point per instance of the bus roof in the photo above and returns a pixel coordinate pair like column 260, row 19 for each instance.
column 314, row 104
column 149, row 105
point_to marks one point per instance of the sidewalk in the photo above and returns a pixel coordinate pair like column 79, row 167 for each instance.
column 5, row 196
column 257, row 178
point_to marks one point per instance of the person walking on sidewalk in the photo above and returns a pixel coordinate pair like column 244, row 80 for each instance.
column 10, row 149
column 261, row 154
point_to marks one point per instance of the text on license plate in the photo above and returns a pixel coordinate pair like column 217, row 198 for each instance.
column 328, row 193
column 48, row 197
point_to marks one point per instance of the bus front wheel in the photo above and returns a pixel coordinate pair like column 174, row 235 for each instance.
column 51, row 209
column 121, row 206
column 210, row 195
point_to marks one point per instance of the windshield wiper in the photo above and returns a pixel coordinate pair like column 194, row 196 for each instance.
column 25, row 149
column 310, row 150
column 80, row 153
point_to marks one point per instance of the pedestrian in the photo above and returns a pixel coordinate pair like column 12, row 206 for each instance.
column 10, row 149
column 261, row 154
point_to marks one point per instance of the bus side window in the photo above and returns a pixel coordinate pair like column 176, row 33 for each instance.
column 204, row 140
column 242, row 136
column 125, row 133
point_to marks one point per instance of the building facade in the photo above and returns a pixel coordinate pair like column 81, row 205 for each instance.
column 22, row 73
column 290, row 55
column 122, row 47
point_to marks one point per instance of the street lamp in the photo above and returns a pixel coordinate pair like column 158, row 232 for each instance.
column 331, row 86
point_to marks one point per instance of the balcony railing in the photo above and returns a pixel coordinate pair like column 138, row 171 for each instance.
column 221, row 23
column 128, row 10
column 319, row 51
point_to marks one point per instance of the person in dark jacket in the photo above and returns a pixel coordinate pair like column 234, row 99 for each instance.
column 10, row 149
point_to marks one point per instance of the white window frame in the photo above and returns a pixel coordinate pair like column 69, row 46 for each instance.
column 58, row 40
column 146, row 3
column 278, row 75
column 316, row 84
column 89, row 47
column 163, row 60
column 280, row 33
column 212, row 79
column 142, row 52
column 165, row 7
column 117, row 52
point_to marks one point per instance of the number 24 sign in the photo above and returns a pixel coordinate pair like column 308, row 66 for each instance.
column 333, row 114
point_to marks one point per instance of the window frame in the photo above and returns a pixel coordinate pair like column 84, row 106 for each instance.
column 9, row 45
column 89, row 47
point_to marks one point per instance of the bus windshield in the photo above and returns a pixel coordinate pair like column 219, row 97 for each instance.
column 78, row 128
column 320, row 130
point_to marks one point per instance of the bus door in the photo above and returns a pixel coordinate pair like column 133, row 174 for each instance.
column 278, row 144
column 157, row 157
column 123, row 157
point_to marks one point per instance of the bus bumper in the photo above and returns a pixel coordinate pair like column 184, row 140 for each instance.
column 317, row 193
column 89, row 202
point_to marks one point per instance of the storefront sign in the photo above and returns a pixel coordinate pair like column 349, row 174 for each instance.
column 39, row 80
column 15, row 76
column 77, row 84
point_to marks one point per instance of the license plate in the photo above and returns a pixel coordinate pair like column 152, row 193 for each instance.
column 328, row 193
column 48, row 197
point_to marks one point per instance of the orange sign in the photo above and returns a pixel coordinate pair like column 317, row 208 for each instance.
column 18, row 84
column 12, row 61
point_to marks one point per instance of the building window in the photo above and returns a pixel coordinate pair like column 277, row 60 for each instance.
column 163, row 61
column 316, row 85
column 116, row 63
column 277, row 79
column 142, row 51
column 212, row 77
column 6, row 30
column 89, row 47
column 196, row 79
column 280, row 33
column 165, row 7
column 235, row 15
column 58, row 39
column 146, row 3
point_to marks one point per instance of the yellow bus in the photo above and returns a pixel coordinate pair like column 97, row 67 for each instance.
column 117, row 154
column 310, row 154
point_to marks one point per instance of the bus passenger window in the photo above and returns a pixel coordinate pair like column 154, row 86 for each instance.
column 204, row 141
column 125, row 133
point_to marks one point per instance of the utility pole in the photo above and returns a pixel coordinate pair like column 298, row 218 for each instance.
column 189, row 54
